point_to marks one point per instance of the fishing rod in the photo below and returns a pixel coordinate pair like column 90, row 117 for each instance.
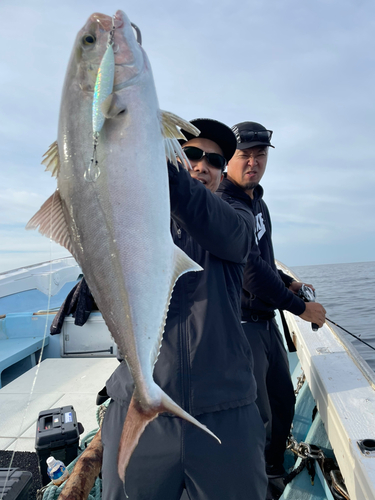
column 308, row 295
column 352, row 334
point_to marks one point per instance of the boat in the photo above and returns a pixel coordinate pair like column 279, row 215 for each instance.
column 340, row 385
column 331, row 450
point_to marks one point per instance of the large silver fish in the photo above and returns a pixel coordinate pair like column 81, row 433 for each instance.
column 114, row 216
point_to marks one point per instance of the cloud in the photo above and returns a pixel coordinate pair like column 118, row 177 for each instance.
column 305, row 70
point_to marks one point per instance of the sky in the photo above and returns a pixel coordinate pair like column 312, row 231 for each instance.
column 305, row 70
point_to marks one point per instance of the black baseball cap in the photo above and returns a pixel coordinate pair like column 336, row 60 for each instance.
column 214, row 131
column 250, row 134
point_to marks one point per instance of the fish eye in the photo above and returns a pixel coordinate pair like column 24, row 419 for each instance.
column 88, row 39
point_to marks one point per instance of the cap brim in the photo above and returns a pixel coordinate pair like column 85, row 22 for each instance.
column 215, row 131
column 246, row 145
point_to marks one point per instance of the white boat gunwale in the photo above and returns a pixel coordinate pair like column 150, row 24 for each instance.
column 342, row 385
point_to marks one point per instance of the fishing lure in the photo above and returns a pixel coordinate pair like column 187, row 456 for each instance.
column 103, row 88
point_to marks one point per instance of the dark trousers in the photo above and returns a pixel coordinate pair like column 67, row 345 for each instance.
column 173, row 454
column 275, row 392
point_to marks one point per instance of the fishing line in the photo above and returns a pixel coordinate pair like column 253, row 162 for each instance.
column 352, row 334
column 38, row 362
column 103, row 87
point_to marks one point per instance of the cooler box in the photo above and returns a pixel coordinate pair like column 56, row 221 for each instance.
column 14, row 484
column 93, row 339
column 57, row 435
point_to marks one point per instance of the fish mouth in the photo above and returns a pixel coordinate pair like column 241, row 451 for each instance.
column 119, row 20
column 126, row 47
column 121, row 17
column 106, row 22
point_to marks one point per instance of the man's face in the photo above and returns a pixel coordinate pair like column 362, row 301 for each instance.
column 201, row 169
column 247, row 166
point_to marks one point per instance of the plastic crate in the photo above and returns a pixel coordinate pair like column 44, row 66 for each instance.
column 14, row 484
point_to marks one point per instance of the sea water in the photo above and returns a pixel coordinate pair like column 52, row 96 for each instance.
column 347, row 291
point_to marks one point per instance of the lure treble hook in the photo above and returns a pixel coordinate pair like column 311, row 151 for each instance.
column 138, row 33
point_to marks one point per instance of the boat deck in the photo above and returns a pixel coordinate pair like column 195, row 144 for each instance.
column 340, row 384
column 59, row 382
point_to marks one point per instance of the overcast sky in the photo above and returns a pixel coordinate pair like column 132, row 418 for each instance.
column 305, row 70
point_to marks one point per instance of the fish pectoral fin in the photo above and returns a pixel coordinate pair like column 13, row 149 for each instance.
column 51, row 222
column 169, row 124
column 112, row 106
column 138, row 418
column 51, row 159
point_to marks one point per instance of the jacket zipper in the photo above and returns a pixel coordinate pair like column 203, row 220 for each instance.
column 185, row 382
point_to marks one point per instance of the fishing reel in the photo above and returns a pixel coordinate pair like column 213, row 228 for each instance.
column 307, row 294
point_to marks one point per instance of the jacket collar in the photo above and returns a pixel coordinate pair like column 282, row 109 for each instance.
column 235, row 191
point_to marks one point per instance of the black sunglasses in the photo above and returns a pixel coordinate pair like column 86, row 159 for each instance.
column 256, row 135
column 196, row 154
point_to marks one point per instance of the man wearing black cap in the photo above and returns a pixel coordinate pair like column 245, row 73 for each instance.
column 205, row 362
column 265, row 289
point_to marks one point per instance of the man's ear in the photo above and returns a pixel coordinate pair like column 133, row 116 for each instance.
column 222, row 176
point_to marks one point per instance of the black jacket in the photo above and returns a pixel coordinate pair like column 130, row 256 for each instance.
column 264, row 287
column 79, row 302
column 205, row 362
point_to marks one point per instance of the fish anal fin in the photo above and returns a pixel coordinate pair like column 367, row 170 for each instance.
column 112, row 106
column 169, row 124
column 51, row 159
column 50, row 221
column 138, row 418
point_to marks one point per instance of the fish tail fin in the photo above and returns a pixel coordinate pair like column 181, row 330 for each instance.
column 136, row 421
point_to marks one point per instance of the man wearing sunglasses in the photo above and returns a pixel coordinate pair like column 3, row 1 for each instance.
column 207, row 167
column 205, row 362
column 265, row 289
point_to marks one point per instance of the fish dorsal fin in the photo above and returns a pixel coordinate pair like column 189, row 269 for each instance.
column 182, row 264
column 51, row 222
column 51, row 159
column 169, row 128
